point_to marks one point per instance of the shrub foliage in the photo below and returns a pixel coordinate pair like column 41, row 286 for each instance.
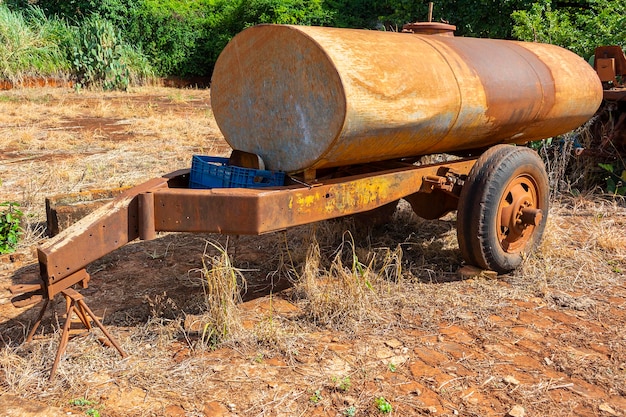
column 10, row 229
column 98, row 56
column 29, row 45
column 185, row 37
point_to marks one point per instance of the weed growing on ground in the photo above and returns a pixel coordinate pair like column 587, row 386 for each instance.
column 342, row 384
column 223, row 284
column 350, row 411
column 383, row 405
column 316, row 397
column 10, row 229
column 89, row 407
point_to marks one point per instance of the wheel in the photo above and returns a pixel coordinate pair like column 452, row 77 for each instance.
column 503, row 208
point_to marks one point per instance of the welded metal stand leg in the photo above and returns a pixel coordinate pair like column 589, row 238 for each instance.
column 82, row 305
column 76, row 304
column 31, row 334
column 65, row 336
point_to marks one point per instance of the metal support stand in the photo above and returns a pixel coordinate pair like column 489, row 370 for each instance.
column 75, row 304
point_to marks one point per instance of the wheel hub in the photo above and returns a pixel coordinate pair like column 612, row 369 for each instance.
column 518, row 213
column 531, row 216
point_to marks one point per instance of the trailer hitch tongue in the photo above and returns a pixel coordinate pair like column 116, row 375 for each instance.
column 25, row 295
column 531, row 216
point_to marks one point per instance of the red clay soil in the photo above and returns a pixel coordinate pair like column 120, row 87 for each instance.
column 529, row 352
column 36, row 82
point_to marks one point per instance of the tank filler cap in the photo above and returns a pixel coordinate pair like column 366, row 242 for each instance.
column 429, row 28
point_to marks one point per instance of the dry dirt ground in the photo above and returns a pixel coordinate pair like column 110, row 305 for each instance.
column 337, row 319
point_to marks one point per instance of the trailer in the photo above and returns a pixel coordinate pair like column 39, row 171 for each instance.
column 610, row 136
column 341, row 117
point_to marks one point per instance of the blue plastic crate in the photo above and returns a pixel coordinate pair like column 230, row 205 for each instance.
column 214, row 172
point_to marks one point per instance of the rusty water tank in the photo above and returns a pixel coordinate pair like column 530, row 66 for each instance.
column 314, row 97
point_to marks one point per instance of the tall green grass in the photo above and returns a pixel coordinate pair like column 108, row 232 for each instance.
column 90, row 52
column 29, row 45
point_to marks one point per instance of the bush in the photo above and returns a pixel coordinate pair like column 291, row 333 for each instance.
column 101, row 59
column 10, row 229
column 181, row 37
column 29, row 44
column 580, row 30
column 185, row 38
column 97, row 56
column 167, row 31
column 226, row 18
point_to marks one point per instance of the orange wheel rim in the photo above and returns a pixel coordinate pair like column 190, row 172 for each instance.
column 518, row 213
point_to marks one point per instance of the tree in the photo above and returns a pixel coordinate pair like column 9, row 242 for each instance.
column 478, row 18
column 580, row 29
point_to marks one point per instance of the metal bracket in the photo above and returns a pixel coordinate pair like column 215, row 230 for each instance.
column 448, row 181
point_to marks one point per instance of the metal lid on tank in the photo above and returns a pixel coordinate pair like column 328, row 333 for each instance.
column 429, row 28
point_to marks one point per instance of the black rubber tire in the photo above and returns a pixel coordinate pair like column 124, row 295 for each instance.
column 480, row 201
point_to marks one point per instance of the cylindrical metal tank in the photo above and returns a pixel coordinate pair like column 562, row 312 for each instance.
column 313, row 97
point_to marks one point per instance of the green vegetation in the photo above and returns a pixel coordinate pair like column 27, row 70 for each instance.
column 30, row 44
column 350, row 411
column 97, row 56
column 383, row 405
column 184, row 38
column 342, row 384
column 580, row 29
column 615, row 178
column 89, row 407
column 316, row 397
column 33, row 44
column 10, row 229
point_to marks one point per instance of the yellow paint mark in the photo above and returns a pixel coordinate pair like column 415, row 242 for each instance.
column 304, row 203
column 308, row 200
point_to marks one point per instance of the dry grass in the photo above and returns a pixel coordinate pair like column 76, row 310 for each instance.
column 358, row 302
column 66, row 142
column 585, row 242
column 345, row 302
column 223, row 284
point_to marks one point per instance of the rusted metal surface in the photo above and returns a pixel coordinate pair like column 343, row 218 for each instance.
column 518, row 213
column 310, row 97
column 616, row 94
column 75, row 304
column 429, row 28
column 146, row 226
column 163, row 204
column 64, row 210
column 610, row 62
column 108, row 228
column 607, row 141
column 233, row 211
column 438, row 195
column 245, row 211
